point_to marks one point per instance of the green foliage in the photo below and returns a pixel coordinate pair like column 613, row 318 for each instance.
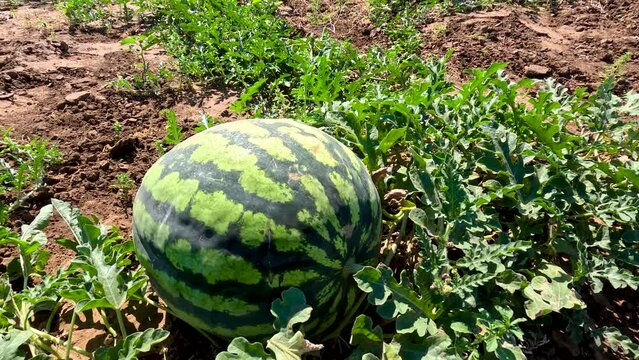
column 83, row 12
column 23, row 170
column 100, row 277
column 124, row 184
column 174, row 133
column 132, row 345
column 287, row 344
column 145, row 82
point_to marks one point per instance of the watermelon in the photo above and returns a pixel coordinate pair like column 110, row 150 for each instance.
column 234, row 215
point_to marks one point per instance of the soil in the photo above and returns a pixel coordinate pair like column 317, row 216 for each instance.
column 53, row 84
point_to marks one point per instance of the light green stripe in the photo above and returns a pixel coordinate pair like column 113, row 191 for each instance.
column 327, row 293
column 215, row 210
column 347, row 193
column 231, row 306
column 173, row 190
column 152, row 176
column 216, row 149
column 311, row 143
column 257, row 227
column 320, row 257
column 300, row 128
column 247, row 331
column 299, row 277
column 315, row 222
column 215, row 265
column 249, row 128
column 324, row 209
column 274, row 147
column 147, row 227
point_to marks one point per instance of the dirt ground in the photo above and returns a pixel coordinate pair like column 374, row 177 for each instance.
column 574, row 44
column 53, row 85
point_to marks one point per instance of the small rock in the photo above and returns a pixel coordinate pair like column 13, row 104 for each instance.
column 16, row 72
column 59, row 77
column 537, row 71
column 6, row 77
column 92, row 158
column 92, row 106
column 92, row 176
column 104, row 165
column 76, row 97
column 89, row 186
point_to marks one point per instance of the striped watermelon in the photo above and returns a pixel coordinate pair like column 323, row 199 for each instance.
column 234, row 215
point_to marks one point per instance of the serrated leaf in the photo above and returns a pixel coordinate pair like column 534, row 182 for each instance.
column 550, row 292
column 81, row 227
column 40, row 222
column 365, row 338
column 107, row 275
column 290, row 310
column 410, row 322
column 617, row 341
column 380, row 284
column 391, row 139
column 133, row 344
column 242, row 349
column 286, row 347
column 461, row 328
column 507, row 351
column 434, row 347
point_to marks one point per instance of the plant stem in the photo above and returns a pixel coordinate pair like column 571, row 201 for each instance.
column 46, row 348
column 153, row 303
column 47, row 328
column 121, row 323
column 107, row 324
column 57, row 341
column 69, row 346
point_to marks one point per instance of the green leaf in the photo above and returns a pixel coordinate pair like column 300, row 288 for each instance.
column 616, row 341
column 380, row 285
column 410, row 322
column 134, row 344
column 391, row 139
column 11, row 342
column 108, row 277
column 508, row 351
column 81, row 227
column 242, row 349
column 366, row 339
column 286, row 347
column 290, row 310
column 40, row 222
column 550, row 292
column 434, row 347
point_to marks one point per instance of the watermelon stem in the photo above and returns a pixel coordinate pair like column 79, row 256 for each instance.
column 121, row 323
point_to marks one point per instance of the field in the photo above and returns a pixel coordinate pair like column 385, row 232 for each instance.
column 503, row 138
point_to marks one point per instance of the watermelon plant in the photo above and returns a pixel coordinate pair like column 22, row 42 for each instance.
column 231, row 217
